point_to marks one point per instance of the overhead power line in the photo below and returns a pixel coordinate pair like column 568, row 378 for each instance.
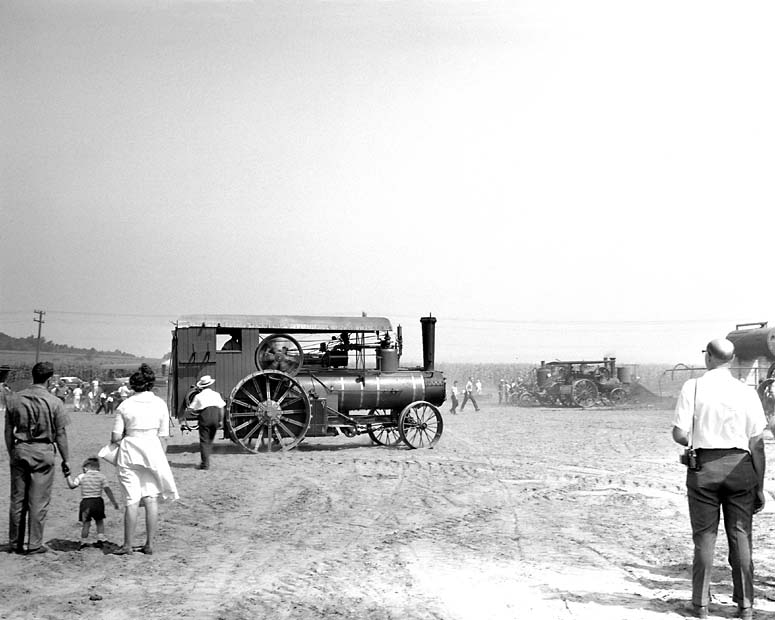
column 458, row 319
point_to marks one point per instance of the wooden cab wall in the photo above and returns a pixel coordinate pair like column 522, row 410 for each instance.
column 227, row 355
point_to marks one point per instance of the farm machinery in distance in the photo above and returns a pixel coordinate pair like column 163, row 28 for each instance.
column 581, row 383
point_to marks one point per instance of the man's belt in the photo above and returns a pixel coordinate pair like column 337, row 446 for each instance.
column 18, row 441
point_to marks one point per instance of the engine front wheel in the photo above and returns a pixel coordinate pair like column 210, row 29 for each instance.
column 420, row 425
column 617, row 396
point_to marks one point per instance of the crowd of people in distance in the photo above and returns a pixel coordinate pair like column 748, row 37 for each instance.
column 92, row 396
column 472, row 389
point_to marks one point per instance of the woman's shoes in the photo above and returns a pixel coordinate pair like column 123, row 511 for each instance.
column 146, row 549
column 123, row 551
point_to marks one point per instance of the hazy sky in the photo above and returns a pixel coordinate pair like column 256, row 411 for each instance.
column 550, row 178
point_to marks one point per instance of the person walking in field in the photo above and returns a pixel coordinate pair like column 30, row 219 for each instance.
column 35, row 422
column 77, row 393
column 722, row 421
column 468, row 394
column 93, row 483
column 208, row 405
column 453, row 394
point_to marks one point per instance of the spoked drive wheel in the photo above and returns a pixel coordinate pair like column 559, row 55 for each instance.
column 384, row 434
column 268, row 412
column 584, row 393
column 420, row 425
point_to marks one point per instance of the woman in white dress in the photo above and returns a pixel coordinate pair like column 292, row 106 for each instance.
column 141, row 428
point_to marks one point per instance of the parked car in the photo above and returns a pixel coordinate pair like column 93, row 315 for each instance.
column 71, row 382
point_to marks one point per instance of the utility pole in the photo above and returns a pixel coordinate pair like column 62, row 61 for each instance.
column 40, row 322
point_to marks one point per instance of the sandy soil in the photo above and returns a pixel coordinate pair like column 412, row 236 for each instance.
column 517, row 513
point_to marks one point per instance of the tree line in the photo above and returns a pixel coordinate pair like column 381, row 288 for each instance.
column 30, row 343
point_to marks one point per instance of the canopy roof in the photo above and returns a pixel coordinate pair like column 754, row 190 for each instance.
column 285, row 323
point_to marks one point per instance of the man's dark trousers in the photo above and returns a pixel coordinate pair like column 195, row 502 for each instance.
column 726, row 480
column 209, row 421
column 466, row 397
column 32, row 473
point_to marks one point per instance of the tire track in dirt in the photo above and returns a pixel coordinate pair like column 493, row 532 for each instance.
column 297, row 528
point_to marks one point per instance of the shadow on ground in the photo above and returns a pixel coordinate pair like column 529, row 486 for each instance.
column 661, row 581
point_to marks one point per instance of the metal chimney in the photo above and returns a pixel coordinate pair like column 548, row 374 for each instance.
column 428, row 324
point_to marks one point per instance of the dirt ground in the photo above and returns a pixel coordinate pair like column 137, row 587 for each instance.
column 517, row 513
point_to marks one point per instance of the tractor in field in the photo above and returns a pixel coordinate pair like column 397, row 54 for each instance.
column 583, row 383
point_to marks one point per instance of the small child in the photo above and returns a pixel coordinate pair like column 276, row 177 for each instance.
column 92, row 483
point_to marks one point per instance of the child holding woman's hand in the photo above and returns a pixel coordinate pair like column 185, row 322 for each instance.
column 93, row 483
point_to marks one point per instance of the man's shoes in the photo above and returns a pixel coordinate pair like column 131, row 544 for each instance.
column 202, row 466
column 37, row 550
column 746, row 613
column 697, row 611
column 123, row 551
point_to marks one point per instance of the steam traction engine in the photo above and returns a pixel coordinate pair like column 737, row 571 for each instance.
column 285, row 378
column 577, row 383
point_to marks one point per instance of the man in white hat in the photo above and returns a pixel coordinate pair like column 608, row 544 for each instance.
column 208, row 406
column 723, row 421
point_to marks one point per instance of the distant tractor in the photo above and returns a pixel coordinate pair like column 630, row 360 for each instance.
column 581, row 383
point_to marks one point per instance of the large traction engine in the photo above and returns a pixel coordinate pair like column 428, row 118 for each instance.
column 288, row 378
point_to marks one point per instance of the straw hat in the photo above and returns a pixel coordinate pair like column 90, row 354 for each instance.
column 204, row 382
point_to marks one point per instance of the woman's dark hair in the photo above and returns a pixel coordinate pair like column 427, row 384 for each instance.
column 143, row 379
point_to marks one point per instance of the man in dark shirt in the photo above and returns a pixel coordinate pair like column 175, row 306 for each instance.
column 35, row 420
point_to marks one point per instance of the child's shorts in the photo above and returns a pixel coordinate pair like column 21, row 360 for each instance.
column 91, row 508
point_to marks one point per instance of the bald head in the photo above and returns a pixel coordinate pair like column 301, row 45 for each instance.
column 720, row 351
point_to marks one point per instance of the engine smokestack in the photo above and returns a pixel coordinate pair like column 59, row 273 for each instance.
column 428, row 324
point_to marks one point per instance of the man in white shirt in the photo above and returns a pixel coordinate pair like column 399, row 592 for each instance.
column 723, row 421
column 208, row 405
column 453, row 394
column 77, row 392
